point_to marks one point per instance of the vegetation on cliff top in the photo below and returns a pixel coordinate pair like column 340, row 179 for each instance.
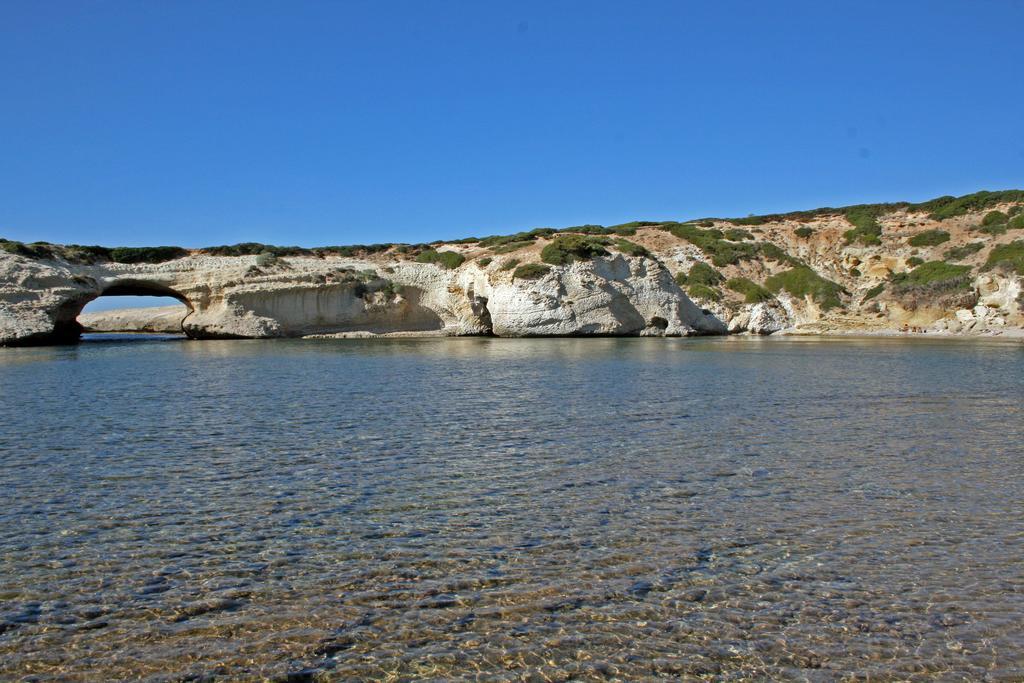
column 77, row 253
column 565, row 249
column 723, row 247
column 445, row 259
column 937, row 209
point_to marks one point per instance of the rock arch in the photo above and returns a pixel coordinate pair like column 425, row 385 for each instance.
column 67, row 329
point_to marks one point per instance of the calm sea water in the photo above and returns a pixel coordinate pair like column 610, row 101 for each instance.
column 512, row 510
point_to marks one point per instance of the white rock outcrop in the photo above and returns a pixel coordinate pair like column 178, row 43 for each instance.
column 232, row 296
column 763, row 318
column 160, row 319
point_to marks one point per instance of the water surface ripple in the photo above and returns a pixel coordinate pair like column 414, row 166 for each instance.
column 512, row 510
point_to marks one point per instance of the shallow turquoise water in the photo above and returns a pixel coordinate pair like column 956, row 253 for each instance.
column 512, row 509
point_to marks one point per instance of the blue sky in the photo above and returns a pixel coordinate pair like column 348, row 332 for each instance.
column 313, row 123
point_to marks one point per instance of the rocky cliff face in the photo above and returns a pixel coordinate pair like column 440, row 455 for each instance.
column 951, row 266
column 231, row 297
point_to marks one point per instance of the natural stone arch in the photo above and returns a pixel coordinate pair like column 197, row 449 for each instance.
column 67, row 329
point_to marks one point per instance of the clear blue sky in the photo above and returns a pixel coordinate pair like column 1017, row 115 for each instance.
column 312, row 123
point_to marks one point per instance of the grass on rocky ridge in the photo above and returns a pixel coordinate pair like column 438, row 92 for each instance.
column 724, row 248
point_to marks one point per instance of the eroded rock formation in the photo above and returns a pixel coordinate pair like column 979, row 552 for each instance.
column 233, row 297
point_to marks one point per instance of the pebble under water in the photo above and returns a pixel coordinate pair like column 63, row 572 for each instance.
column 497, row 509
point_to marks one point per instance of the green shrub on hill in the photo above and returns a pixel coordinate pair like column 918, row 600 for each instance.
column 703, row 292
column 527, row 236
column 914, row 261
column 711, row 242
column 774, row 253
column 752, row 220
column 446, row 259
column 994, row 229
column 700, row 274
column 866, row 228
column 589, row 230
column 803, row 232
column 255, row 249
column 949, row 207
column 873, row 292
column 76, row 253
column 960, row 253
column 531, row 271
column 38, row 250
column 864, row 217
column 738, row 234
column 565, row 249
column 935, row 276
column 1009, row 256
column 929, row 238
column 485, row 261
column 752, row 292
column 803, row 281
column 509, row 247
column 995, row 218
column 509, row 264
column 630, row 248
column 146, row 254
column 627, row 229
column 994, row 223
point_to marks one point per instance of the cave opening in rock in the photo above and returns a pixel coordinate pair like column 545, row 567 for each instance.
column 133, row 308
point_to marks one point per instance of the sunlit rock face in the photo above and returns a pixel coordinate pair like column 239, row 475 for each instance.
column 616, row 296
column 158, row 319
column 233, row 297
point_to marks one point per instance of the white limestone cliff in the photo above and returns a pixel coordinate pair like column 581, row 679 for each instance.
column 232, row 296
